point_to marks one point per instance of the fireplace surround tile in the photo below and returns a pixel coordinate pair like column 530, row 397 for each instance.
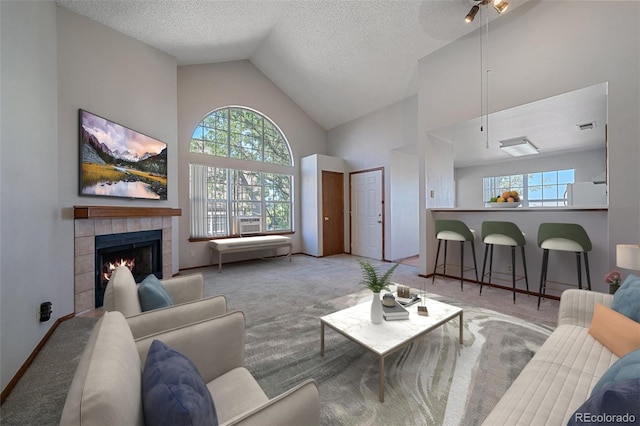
column 133, row 224
column 104, row 227
column 84, row 282
column 85, row 245
column 84, row 263
column 84, row 228
column 84, row 250
column 156, row 223
column 118, row 226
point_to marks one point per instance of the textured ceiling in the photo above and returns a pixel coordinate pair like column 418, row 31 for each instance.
column 337, row 59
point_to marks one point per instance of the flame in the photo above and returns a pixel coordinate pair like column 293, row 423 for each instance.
column 111, row 266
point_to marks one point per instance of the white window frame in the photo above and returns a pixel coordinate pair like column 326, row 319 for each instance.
column 220, row 198
column 556, row 183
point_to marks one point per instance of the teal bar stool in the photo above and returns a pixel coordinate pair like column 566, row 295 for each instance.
column 454, row 230
column 563, row 237
column 503, row 234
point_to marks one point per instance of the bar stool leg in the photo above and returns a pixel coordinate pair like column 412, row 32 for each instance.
column 475, row 265
column 543, row 275
column 586, row 267
column 444, row 265
column 579, row 270
column 484, row 266
column 513, row 271
column 435, row 267
column 524, row 265
column 461, row 265
column 491, row 263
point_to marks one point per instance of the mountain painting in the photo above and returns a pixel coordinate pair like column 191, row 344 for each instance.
column 119, row 162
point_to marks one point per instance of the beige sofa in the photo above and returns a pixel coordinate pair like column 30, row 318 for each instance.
column 186, row 292
column 107, row 386
column 560, row 376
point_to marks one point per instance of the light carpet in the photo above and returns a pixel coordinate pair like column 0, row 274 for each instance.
column 433, row 381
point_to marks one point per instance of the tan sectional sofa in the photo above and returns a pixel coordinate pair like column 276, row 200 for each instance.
column 107, row 386
column 560, row 376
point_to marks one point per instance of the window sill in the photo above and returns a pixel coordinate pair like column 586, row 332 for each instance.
column 200, row 239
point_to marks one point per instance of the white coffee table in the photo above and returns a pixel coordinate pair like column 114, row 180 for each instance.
column 389, row 336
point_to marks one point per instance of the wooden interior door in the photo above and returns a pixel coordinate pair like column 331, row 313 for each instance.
column 332, row 213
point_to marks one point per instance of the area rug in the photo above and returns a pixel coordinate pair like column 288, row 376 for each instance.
column 433, row 381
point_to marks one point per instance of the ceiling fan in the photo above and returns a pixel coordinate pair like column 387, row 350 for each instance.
column 499, row 5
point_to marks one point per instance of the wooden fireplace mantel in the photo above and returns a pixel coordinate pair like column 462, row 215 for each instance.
column 105, row 212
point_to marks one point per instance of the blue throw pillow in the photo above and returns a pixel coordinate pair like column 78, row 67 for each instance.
column 173, row 391
column 627, row 367
column 627, row 298
column 614, row 403
column 152, row 294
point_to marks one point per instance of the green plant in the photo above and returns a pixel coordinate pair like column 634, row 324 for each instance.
column 372, row 279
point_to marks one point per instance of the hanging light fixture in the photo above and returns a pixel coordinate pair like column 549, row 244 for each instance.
column 472, row 14
column 499, row 5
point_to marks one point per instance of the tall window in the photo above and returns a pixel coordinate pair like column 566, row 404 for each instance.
column 220, row 195
column 539, row 189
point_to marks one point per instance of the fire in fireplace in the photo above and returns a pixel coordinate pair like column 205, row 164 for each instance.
column 140, row 251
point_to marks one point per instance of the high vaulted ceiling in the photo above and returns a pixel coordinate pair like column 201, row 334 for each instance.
column 337, row 59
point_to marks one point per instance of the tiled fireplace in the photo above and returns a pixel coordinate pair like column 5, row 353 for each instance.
column 119, row 223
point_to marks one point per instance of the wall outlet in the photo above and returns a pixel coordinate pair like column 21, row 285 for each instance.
column 44, row 312
column 509, row 269
column 432, row 193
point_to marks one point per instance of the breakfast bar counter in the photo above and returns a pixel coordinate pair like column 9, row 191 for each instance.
column 562, row 266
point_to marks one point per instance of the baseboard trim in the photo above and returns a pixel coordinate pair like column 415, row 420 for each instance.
column 14, row 381
column 502, row 287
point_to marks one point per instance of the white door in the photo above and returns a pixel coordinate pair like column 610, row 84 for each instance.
column 367, row 221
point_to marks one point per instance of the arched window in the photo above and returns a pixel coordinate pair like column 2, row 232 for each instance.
column 241, row 133
column 228, row 200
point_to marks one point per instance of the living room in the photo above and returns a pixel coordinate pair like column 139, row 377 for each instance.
column 63, row 61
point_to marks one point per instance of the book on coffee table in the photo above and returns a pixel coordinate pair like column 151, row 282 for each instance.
column 395, row 312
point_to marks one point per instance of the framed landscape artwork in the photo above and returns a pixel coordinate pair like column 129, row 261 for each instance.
column 116, row 161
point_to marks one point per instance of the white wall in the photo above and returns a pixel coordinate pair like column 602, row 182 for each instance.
column 367, row 143
column 54, row 62
column 404, row 207
column 29, row 208
column 539, row 50
column 123, row 80
column 203, row 88
column 468, row 180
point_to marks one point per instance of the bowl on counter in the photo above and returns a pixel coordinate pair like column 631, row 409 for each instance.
column 505, row 205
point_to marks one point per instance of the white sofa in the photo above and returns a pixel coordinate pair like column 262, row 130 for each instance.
column 186, row 292
column 560, row 376
column 107, row 385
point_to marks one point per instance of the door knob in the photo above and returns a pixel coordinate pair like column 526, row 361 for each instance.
column 326, row 218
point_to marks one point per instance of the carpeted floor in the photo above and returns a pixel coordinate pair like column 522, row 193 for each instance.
column 432, row 381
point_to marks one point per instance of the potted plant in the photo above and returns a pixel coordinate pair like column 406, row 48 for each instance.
column 376, row 282
column 614, row 279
